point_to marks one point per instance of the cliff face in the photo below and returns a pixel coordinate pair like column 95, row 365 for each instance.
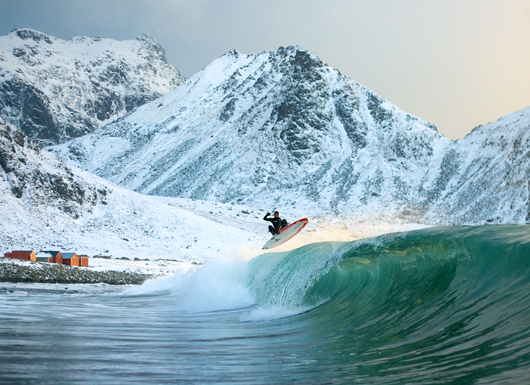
column 484, row 177
column 39, row 179
column 54, row 90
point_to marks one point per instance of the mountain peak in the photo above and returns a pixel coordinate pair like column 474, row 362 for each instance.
column 31, row 34
column 55, row 90
column 233, row 52
column 291, row 49
column 299, row 57
column 263, row 127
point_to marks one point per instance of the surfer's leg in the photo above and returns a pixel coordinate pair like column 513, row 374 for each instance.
column 271, row 229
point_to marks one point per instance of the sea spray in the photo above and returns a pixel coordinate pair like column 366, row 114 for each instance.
column 217, row 285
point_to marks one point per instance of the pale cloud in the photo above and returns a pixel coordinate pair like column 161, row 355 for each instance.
column 454, row 63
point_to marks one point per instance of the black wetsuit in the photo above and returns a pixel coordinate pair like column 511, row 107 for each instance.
column 277, row 224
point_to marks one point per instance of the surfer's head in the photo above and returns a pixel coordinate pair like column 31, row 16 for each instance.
column 276, row 214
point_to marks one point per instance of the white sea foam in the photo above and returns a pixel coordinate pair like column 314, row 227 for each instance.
column 217, row 285
column 158, row 285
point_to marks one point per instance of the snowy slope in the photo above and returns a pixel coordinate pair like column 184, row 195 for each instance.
column 45, row 204
column 278, row 128
column 54, row 89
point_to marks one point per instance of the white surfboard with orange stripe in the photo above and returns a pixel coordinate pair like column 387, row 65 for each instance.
column 286, row 233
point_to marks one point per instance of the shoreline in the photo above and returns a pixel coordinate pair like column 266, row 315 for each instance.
column 13, row 272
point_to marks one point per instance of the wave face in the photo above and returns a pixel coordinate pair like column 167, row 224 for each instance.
column 434, row 305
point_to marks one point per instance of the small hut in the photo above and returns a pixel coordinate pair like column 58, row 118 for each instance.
column 57, row 257
column 71, row 259
column 28, row 255
column 83, row 260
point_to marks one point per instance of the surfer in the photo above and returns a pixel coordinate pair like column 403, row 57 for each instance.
column 277, row 222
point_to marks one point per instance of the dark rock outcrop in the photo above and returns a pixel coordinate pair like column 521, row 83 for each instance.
column 22, row 170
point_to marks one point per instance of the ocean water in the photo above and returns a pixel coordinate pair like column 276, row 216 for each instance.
column 432, row 306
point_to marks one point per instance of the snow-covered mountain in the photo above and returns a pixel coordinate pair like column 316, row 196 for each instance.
column 277, row 127
column 284, row 129
column 46, row 204
column 54, row 89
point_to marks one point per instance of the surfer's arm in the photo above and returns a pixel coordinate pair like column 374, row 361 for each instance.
column 265, row 218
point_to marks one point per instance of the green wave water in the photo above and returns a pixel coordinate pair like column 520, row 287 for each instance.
column 431, row 306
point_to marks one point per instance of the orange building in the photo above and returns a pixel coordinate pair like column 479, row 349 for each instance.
column 20, row 254
column 71, row 259
column 83, row 260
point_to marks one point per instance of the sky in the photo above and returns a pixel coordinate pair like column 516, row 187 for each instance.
column 455, row 63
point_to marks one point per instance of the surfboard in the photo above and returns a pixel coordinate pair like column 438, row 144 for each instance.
column 286, row 233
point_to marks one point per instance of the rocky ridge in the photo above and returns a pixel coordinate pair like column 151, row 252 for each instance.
column 483, row 177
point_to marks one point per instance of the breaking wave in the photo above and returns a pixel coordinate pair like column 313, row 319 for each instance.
column 433, row 305
column 449, row 302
